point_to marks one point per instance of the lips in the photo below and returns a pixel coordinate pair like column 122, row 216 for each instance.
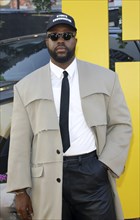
column 60, row 49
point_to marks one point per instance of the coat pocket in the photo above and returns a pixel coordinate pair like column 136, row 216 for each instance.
column 42, row 115
column 37, row 171
column 95, row 109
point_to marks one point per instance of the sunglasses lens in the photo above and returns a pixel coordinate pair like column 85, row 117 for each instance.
column 54, row 37
column 67, row 36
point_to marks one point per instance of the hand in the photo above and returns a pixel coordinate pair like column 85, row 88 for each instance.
column 24, row 206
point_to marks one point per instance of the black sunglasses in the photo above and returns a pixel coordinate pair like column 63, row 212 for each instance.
column 65, row 36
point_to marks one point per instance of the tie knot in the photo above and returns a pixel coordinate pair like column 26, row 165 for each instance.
column 65, row 73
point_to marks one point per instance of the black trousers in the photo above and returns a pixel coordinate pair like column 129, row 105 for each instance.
column 87, row 194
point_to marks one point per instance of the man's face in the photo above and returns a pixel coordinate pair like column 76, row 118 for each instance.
column 61, row 49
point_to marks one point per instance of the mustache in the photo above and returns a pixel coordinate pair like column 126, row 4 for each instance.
column 62, row 45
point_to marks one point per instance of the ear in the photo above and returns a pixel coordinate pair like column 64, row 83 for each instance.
column 76, row 40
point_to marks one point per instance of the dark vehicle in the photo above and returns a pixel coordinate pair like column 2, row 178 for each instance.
column 122, row 51
column 19, row 57
column 17, row 23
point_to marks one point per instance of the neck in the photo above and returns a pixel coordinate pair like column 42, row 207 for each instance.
column 63, row 65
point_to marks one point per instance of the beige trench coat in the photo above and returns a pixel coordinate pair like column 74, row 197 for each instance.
column 36, row 156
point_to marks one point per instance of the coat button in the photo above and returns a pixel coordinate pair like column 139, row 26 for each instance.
column 58, row 180
column 58, row 151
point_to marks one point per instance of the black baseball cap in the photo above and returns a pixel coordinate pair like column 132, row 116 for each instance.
column 61, row 18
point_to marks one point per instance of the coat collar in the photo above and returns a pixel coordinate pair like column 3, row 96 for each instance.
column 92, row 80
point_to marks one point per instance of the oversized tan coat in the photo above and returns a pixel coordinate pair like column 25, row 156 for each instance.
column 36, row 155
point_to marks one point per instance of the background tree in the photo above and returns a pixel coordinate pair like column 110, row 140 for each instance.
column 43, row 5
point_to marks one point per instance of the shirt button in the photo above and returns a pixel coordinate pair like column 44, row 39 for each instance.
column 58, row 151
column 58, row 180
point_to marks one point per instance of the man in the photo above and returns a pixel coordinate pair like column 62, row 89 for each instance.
column 70, row 135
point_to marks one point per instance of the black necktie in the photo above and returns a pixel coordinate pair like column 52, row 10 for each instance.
column 64, row 112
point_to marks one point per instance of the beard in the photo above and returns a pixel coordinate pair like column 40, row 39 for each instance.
column 62, row 59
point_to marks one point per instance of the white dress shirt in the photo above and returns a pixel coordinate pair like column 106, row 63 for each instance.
column 81, row 137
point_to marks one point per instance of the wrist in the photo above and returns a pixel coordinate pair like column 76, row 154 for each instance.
column 19, row 192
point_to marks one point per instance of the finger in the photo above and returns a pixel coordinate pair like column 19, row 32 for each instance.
column 19, row 215
column 24, row 215
column 30, row 209
column 30, row 212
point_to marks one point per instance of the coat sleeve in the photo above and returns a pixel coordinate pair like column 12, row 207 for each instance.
column 20, row 147
column 119, row 131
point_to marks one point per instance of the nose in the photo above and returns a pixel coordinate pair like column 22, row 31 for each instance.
column 60, row 39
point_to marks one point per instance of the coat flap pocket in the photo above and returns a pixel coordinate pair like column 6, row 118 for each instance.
column 37, row 171
column 95, row 109
column 42, row 114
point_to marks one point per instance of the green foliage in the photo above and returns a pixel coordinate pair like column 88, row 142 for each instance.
column 42, row 5
column 2, row 78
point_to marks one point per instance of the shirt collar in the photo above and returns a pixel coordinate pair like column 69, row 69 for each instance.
column 58, row 72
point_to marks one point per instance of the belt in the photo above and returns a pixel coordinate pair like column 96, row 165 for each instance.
column 79, row 157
